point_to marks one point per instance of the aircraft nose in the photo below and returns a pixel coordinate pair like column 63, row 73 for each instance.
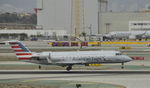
column 127, row 58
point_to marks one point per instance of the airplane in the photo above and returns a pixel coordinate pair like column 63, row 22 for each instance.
column 127, row 34
column 69, row 58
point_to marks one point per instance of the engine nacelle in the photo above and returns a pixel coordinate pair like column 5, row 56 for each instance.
column 132, row 37
column 39, row 56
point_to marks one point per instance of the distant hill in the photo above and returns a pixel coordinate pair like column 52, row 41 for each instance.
column 19, row 18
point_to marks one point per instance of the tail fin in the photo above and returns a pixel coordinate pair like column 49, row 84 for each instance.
column 21, row 51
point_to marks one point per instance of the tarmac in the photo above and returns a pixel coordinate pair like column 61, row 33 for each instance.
column 128, row 79
column 109, row 78
column 135, row 74
column 48, row 83
column 19, row 65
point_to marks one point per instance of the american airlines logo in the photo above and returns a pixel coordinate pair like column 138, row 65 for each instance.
column 90, row 59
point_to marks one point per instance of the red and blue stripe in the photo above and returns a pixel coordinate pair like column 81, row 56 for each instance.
column 21, row 51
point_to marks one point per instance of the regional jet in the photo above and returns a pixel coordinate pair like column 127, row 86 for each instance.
column 127, row 35
column 69, row 58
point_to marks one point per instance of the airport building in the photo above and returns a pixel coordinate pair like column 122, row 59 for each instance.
column 35, row 34
column 123, row 21
column 110, row 21
column 48, row 11
column 45, row 24
column 139, row 25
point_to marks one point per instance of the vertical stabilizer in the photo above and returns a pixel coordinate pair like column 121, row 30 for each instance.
column 21, row 51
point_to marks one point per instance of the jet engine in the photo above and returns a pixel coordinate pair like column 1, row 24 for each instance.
column 132, row 37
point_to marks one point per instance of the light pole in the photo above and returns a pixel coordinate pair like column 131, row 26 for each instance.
column 90, row 28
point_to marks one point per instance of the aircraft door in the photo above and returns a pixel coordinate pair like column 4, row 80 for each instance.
column 49, row 58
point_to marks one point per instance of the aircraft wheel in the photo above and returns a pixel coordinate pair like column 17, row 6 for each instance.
column 69, row 68
column 122, row 67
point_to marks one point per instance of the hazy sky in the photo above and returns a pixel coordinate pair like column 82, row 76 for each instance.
column 115, row 5
column 17, row 5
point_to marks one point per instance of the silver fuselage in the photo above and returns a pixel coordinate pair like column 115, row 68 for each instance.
column 81, row 57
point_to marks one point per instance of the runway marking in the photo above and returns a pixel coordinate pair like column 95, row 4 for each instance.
column 32, row 80
column 120, row 86
column 79, row 72
column 76, row 82
column 85, row 83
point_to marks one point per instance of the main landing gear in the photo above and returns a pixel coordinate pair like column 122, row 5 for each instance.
column 69, row 67
column 122, row 67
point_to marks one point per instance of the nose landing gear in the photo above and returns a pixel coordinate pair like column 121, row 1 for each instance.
column 69, row 68
column 122, row 67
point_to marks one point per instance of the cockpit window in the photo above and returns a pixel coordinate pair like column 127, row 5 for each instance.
column 118, row 54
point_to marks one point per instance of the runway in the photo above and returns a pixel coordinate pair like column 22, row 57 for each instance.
column 74, row 72
column 130, row 79
column 136, row 74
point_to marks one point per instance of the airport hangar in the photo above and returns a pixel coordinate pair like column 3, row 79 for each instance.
column 123, row 21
